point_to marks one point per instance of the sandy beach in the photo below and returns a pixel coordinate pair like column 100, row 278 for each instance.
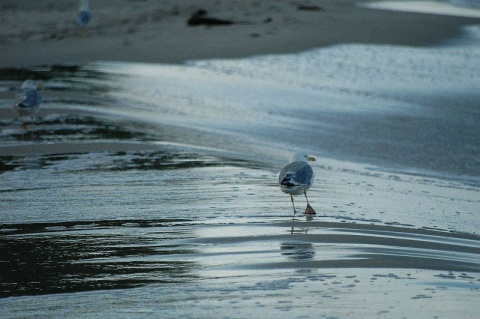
column 147, row 184
column 44, row 33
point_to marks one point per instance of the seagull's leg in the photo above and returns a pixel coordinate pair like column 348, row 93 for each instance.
column 309, row 210
column 24, row 124
column 293, row 203
column 32, row 127
column 305, row 192
column 294, row 212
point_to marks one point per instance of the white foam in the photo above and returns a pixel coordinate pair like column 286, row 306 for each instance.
column 358, row 72
column 431, row 7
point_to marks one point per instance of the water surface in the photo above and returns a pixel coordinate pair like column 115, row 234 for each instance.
column 150, row 190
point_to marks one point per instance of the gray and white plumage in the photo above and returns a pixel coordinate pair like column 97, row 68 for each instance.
column 297, row 177
column 83, row 16
column 28, row 99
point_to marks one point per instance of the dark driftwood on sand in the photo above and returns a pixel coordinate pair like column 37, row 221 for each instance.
column 309, row 8
column 200, row 18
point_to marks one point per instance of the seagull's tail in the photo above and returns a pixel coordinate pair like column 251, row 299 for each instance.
column 288, row 181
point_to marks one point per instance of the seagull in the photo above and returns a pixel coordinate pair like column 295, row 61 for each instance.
column 296, row 178
column 83, row 16
column 28, row 99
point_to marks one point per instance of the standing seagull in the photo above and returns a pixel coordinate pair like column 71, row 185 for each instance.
column 296, row 178
column 28, row 99
column 83, row 16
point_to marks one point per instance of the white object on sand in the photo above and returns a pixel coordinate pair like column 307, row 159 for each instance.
column 297, row 177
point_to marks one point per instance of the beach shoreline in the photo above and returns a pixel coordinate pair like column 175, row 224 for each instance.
column 151, row 190
column 36, row 33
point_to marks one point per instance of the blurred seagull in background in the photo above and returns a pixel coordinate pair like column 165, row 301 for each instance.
column 296, row 178
column 28, row 100
column 83, row 16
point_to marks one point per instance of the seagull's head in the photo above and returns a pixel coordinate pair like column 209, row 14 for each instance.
column 302, row 157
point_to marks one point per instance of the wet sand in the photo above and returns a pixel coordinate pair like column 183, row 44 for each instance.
column 102, row 217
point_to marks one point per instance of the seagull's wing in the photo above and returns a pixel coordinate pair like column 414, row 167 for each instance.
column 29, row 99
column 296, row 174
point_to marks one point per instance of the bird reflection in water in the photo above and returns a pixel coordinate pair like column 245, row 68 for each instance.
column 298, row 251
column 301, row 228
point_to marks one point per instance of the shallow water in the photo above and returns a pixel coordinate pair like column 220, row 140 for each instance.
column 150, row 190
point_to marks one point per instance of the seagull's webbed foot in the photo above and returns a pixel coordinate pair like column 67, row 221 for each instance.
column 309, row 210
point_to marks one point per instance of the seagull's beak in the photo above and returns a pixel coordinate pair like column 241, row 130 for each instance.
column 311, row 158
